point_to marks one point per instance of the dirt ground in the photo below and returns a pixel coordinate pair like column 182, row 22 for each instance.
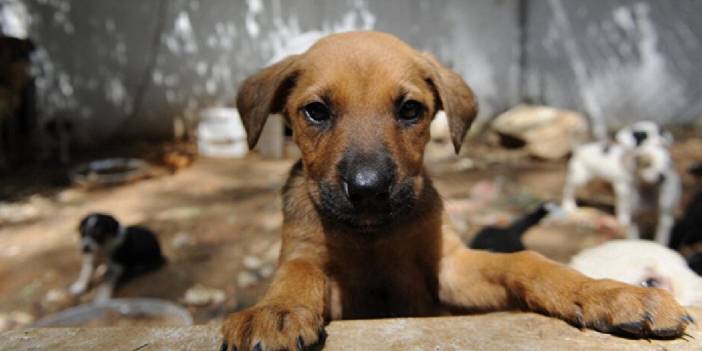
column 219, row 221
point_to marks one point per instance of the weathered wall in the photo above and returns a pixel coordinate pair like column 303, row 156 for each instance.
column 617, row 61
column 143, row 68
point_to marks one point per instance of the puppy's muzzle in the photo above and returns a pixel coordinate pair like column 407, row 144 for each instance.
column 368, row 188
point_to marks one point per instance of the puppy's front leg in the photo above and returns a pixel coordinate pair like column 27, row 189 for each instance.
column 480, row 280
column 290, row 315
column 104, row 291
column 86, row 273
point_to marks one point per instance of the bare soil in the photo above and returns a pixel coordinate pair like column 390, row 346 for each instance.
column 217, row 214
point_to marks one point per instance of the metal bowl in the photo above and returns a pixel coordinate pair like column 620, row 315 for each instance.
column 110, row 171
column 119, row 312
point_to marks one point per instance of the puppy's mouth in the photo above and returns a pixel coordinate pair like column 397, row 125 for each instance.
column 372, row 214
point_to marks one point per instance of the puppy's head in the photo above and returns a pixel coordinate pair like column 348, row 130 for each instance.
column 360, row 106
column 644, row 133
column 97, row 230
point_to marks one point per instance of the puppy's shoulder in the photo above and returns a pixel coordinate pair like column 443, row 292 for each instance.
column 296, row 201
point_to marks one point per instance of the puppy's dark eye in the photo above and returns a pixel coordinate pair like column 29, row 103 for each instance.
column 651, row 283
column 316, row 112
column 410, row 111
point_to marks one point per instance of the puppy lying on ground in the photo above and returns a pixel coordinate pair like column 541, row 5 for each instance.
column 509, row 239
column 364, row 232
column 641, row 172
column 643, row 263
column 127, row 251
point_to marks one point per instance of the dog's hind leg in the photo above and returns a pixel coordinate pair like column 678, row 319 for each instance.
column 577, row 176
column 626, row 199
column 481, row 281
column 669, row 197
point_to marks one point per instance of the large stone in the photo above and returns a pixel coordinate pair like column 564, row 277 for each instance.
column 492, row 331
column 546, row 132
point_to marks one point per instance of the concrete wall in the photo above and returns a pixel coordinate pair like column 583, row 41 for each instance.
column 143, row 68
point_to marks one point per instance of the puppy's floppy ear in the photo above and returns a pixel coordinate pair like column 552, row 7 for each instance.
column 455, row 98
column 264, row 93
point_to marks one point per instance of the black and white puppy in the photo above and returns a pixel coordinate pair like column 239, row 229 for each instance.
column 644, row 133
column 641, row 171
column 127, row 252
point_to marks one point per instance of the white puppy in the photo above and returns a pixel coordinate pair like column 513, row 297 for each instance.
column 643, row 263
column 607, row 161
column 641, row 172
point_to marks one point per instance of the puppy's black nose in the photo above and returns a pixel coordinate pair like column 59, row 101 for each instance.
column 640, row 136
column 368, row 187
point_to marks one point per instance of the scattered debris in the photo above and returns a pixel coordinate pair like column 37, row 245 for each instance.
column 177, row 160
column 55, row 300
column 246, row 279
column 17, row 212
column 181, row 240
column 200, row 295
column 546, row 132
column 14, row 320
column 252, row 262
column 179, row 213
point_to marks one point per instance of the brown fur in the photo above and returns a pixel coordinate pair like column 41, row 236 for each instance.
column 417, row 266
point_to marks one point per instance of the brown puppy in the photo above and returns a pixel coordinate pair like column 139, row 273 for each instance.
column 363, row 231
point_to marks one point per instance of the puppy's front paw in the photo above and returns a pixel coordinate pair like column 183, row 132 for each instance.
column 77, row 288
column 273, row 327
column 613, row 307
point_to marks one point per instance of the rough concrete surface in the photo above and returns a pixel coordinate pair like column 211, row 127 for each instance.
column 494, row 331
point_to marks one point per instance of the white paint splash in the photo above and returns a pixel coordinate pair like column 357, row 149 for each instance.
column 14, row 19
column 630, row 89
column 115, row 92
column 181, row 39
column 287, row 37
column 593, row 108
column 255, row 9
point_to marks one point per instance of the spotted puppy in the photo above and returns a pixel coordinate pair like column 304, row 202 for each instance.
column 642, row 175
column 644, row 133
column 127, row 251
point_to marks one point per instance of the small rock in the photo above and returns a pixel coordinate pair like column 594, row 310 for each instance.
column 546, row 132
column 69, row 195
column 181, row 240
column 179, row 213
column 15, row 320
column 200, row 295
column 271, row 254
column 252, row 262
column 22, row 318
column 55, row 300
column 267, row 271
column 246, row 279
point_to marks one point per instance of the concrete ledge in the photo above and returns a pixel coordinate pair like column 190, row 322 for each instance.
column 494, row 331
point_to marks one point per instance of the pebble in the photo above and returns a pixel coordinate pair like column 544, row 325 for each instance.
column 246, row 279
column 200, row 295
